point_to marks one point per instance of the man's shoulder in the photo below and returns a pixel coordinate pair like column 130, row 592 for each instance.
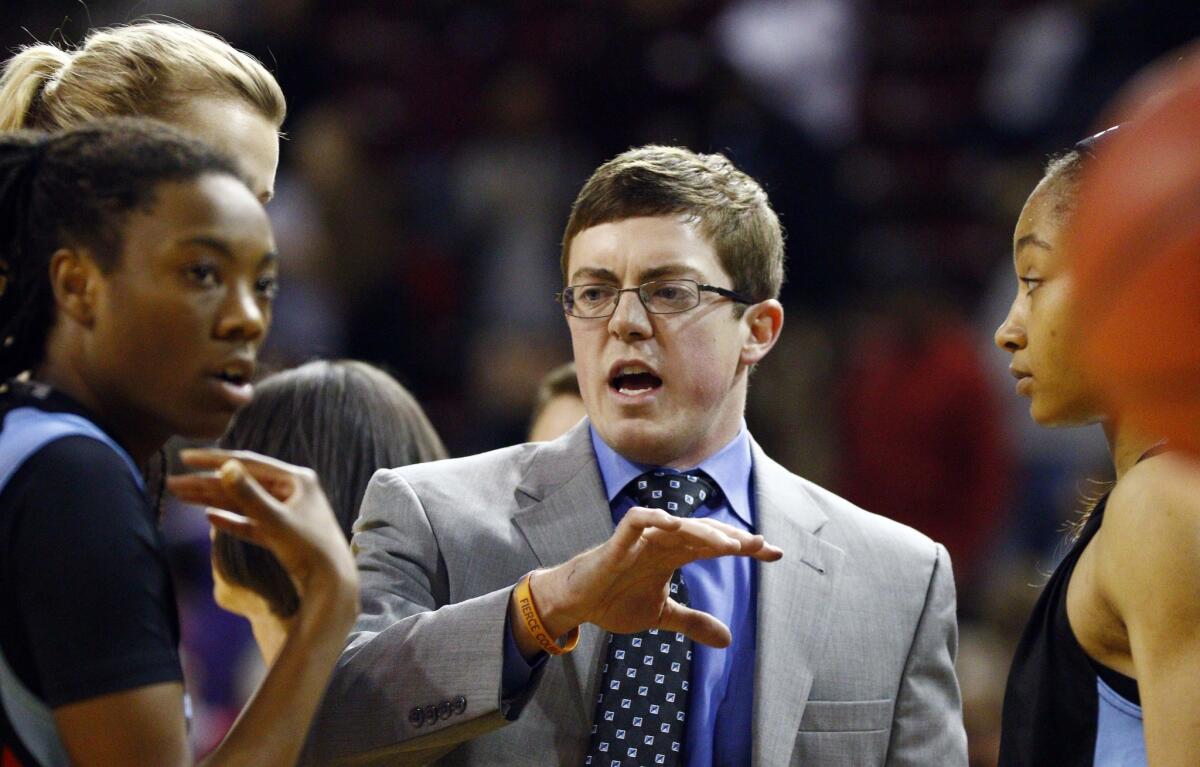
column 503, row 467
column 531, row 469
column 873, row 529
column 845, row 524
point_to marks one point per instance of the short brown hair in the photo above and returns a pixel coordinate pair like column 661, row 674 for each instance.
column 147, row 69
column 729, row 208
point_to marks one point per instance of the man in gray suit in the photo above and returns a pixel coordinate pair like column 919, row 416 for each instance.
column 643, row 533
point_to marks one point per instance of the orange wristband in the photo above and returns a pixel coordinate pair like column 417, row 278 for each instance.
column 533, row 623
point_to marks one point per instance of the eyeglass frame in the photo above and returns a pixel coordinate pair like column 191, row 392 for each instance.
column 700, row 288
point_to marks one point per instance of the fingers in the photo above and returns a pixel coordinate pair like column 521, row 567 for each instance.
column 700, row 626
column 751, row 545
column 247, row 494
column 767, row 552
column 201, row 490
column 215, row 458
column 701, row 540
column 707, row 538
column 236, row 525
column 232, row 489
column 637, row 520
column 278, row 477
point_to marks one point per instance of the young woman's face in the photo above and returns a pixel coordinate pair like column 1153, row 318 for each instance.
column 178, row 322
column 1035, row 330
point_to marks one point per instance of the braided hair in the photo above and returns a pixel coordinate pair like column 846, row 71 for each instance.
column 75, row 189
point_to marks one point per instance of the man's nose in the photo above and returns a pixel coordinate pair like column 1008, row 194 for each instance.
column 630, row 320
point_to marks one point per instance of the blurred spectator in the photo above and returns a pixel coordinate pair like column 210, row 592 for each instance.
column 804, row 55
column 559, row 405
column 982, row 665
column 788, row 405
column 921, row 438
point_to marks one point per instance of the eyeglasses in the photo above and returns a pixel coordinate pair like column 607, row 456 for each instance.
column 658, row 296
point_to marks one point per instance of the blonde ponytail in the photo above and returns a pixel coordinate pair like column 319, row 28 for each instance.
column 147, row 69
column 25, row 79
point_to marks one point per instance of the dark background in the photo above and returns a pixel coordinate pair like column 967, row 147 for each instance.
column 433, row 150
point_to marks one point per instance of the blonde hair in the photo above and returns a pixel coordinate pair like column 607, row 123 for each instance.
column 144, row 69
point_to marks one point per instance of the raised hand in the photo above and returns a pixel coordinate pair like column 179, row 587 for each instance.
column 622, row 585
column 275, row 505
column 282, row 508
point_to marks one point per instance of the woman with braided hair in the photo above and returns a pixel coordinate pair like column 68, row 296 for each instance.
column 140, row 270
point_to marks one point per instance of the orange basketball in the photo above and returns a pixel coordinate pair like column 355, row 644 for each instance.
column 1135, row 241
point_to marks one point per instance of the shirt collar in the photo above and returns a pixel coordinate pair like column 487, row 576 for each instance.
column 729, row 467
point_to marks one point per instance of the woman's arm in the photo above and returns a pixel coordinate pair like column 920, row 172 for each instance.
column 288, row 514
column 1150, row 571
column 145, row 726
column 142, row 726
column 282, row 508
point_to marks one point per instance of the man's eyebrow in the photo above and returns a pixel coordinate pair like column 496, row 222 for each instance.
column 655, row 273
column 666, row 270
column 1032, row 239
column 593, row 273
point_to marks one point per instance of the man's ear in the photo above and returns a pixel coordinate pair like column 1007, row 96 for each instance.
column 75, row 278
column 765, row 321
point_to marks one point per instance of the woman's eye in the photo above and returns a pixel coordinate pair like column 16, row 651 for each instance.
column 1030, row 283
column 203, row 274
column 267, row 286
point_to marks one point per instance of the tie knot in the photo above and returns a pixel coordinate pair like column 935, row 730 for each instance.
column 677, row 494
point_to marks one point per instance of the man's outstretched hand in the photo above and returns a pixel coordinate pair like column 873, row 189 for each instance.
column 623, row 585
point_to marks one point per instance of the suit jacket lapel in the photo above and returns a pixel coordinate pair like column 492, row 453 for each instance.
column 565, row 513
column 794, row 598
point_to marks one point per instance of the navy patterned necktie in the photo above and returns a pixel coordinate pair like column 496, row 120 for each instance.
column 641, row 705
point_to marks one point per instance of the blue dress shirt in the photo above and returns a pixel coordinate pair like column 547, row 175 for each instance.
column 722, row 690
column 721, row 704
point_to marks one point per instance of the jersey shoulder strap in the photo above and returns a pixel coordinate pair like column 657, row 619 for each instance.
column 26, row 430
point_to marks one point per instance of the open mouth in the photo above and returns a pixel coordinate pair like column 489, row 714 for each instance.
column 233, row 384
column 634, row 380
column 235, row 377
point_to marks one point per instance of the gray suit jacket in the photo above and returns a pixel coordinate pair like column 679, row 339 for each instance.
column 856, row 624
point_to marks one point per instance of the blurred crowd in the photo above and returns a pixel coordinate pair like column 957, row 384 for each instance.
column 433, row 149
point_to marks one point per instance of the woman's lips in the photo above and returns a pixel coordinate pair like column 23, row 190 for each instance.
column 236, row 393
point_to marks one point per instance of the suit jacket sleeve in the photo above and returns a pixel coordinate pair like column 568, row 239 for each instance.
column 410, row 649
column 928, row 727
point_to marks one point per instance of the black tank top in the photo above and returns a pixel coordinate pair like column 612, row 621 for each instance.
column 1061, row 708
